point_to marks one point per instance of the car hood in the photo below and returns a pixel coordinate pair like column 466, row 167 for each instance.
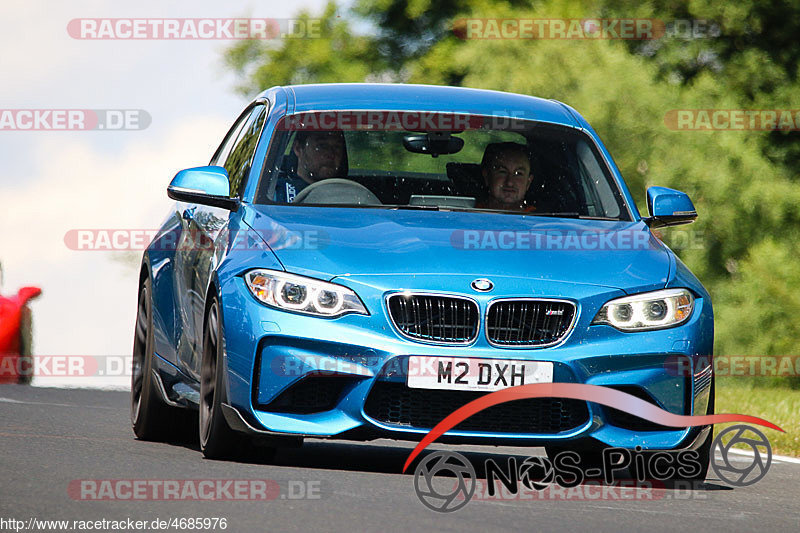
column 329, row 242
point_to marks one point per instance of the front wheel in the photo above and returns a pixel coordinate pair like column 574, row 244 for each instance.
column 150, row 417
column 25, row 364
column 591, row 458
column 217, row 439
column 704, row 450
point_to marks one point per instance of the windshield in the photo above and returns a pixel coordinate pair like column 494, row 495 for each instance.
column 405, row 160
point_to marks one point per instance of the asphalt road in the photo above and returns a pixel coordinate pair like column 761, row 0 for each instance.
column 50, row 439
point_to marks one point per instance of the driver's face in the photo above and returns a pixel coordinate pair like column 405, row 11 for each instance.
column 321, row 157
column 509, row 177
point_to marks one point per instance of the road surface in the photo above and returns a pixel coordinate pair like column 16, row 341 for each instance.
column 53, row 440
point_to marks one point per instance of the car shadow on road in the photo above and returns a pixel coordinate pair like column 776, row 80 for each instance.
column 385, row 457
column 390, row 459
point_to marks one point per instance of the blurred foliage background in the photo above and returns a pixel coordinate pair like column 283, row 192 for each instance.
column 744, row 183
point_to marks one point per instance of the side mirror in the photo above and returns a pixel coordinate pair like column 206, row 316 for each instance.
column 669, row 207
column 203, row 185
column 27, row 294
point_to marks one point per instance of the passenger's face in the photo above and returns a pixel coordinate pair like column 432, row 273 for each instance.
column 321, row 157
column 509, row 177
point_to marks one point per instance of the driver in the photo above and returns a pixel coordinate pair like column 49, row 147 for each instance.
column 320, row 155
column 506, row 170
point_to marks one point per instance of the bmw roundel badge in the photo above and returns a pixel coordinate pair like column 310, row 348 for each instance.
column 482, row 285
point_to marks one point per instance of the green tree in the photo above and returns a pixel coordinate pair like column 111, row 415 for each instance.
column 339, row 55
column 744, row 184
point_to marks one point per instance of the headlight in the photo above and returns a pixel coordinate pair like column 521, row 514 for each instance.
column 649, row 310
column 302, row 295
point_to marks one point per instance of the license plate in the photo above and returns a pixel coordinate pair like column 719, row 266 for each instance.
column 465, row 373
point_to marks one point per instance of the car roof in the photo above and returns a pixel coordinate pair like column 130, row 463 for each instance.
column 390, row 97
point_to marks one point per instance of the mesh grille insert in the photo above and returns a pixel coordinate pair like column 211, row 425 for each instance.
column 435, row 318
column 528, row 322
column 396, row 404
column 312, row 394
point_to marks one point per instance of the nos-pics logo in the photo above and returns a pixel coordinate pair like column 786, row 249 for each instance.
column 446, row 481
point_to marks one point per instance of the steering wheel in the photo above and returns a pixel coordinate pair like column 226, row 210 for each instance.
column 340, row 191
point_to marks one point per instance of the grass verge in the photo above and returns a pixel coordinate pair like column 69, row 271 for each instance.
column 778, row 404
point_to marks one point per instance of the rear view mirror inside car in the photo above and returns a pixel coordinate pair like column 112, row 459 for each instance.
column 434, row 144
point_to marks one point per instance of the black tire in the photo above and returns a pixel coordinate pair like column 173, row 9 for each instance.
column 150, row 417
column 705, row 458
column 705, row 449
column 25, row 363
column 217, row 439
column 591, row 457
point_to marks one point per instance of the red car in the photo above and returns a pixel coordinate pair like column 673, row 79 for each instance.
column 16, row 361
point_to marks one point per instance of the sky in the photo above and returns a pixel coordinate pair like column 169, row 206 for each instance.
column 52, row 182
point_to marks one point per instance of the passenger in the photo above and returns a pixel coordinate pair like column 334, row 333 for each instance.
column 506, row 170
column 320, row 155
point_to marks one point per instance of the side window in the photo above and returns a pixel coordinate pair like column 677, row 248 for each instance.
column 593, row 174
column 240, row 159
column 225, row 148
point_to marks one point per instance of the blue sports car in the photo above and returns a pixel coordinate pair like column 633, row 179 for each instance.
column 357, row 261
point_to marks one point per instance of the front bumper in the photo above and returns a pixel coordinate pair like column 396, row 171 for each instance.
column 300, row 376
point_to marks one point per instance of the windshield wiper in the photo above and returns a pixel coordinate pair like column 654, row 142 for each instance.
column 415, row 207
column 566, row 214
column 562, row 215
column 570, row 215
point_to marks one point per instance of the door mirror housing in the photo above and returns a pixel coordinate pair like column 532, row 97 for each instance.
column 203, row 185
column 669, row 207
